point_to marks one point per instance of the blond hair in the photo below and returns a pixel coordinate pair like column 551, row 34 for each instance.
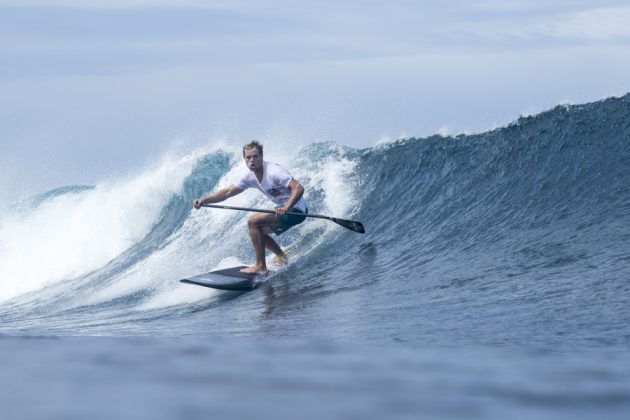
column 251, row 145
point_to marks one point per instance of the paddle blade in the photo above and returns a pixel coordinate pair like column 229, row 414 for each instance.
column 349, row 224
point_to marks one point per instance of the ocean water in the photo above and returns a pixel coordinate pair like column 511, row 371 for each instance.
column 493, row 282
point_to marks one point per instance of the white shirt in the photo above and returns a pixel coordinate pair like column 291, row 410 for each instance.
column 275, row 184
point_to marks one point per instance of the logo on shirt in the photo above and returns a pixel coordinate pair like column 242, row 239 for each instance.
column 274, row 192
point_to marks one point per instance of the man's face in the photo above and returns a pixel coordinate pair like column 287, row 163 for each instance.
column 253, row 159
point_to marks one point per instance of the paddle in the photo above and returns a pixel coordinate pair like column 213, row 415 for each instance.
column 348, row 224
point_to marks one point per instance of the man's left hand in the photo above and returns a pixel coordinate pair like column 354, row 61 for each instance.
column 280, row 211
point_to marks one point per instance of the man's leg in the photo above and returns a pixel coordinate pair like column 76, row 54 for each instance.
column 272, row 245
column 260, row 225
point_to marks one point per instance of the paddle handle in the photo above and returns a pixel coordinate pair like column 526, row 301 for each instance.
column 292, row 213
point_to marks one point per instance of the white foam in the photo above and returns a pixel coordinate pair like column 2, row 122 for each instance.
column 198, row 246
column 444, row 131
column 73, row 234
column 335, row 176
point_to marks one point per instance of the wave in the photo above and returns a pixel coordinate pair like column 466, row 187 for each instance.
column 549, row 191
column 567, row 165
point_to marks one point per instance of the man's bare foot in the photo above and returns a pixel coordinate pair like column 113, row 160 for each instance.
column 255, row 269
column 280, row 260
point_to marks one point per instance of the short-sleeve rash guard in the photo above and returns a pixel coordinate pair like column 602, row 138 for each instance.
column 275, row 184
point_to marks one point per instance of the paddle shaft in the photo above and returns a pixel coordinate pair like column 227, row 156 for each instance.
column 348, row 224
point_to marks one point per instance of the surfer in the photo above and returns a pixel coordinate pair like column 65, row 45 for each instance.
column 276, row 183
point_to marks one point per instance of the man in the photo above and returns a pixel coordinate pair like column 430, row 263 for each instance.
column 277, row 184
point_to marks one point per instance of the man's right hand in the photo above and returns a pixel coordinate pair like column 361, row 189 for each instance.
column 197, row 203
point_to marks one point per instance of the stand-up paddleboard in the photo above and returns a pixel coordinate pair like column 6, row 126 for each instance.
column 227, row 279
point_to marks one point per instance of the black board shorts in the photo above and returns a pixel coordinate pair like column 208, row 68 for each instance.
column 289, row 220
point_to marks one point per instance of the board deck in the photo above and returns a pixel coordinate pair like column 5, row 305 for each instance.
column 226, row 279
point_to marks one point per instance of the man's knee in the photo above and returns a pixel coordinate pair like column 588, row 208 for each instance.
column 256, row 220
column 263, row 222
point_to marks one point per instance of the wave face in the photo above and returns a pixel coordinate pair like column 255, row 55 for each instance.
column 515, row 236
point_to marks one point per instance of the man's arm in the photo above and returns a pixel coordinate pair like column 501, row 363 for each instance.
column 222, row 194
column 297, row 190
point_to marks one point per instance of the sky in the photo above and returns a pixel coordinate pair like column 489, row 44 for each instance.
column 90, row 89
